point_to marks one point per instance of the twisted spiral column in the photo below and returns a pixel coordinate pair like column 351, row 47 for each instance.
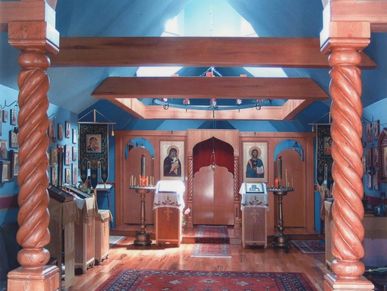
column 190, row 190
column 33, row 217
column 347, row 169
column 237, row 215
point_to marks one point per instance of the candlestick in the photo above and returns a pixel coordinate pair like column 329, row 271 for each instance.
column 286, row 178
column 276, row 183
column 142, row 165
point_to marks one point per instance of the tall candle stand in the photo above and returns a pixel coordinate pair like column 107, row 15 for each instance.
column 145, row 185
column 280, row 239
column 142, row 236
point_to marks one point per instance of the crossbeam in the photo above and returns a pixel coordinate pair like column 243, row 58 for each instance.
column 285, row 112
column 193, row 51
column 202, row 87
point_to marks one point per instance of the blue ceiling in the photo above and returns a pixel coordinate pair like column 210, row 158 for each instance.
column 71, row 87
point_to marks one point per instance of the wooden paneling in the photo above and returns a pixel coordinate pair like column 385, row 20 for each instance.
column 235, row 139
column 203, row 196
column 168, row 225
column 201, row 87
column 223, row 196
column 213, row 197
column 273, row 138
column 122, row 167
column 192, row 51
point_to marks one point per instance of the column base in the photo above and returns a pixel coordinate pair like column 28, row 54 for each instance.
column 45, row 278
column 332, row 283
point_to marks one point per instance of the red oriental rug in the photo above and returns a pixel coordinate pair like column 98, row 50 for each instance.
column 212, row 234
column 148, row 280
column 211, row 251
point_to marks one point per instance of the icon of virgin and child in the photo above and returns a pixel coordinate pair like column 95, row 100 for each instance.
column 255, row 167
column 172, row 165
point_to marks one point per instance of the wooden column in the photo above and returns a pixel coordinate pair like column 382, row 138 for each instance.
column 189, row 223
column 35, row 39
column 344, row 42
column 237, row 204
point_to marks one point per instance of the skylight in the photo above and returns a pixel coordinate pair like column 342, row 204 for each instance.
column 208, row 18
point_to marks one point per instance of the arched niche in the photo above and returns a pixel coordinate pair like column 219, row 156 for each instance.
column 139, row 142
column 289, row 144
column 196, row 136
column 134, row 149
column 290, row 169
column 215, row 151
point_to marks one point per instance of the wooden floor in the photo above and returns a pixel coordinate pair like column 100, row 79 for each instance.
column 251, row 260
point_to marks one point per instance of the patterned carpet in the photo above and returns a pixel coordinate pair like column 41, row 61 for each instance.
column 210, row 281
column 207, row 234
column 310, row 246
column 211, row 251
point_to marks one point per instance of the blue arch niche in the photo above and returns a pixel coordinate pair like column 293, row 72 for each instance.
column 288, row 144
column 139, row 142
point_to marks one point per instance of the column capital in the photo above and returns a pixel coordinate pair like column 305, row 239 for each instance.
column 346, row 34
column 29, row 35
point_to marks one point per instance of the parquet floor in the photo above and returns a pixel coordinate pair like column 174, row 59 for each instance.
column 249, row 260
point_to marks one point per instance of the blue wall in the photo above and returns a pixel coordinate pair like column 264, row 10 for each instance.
column 8, row 95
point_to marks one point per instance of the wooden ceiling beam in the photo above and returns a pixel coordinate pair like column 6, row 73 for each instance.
column 202, row 87
column 193, row 51
column 292, row 107
column 157, row 112
column 136, row 108
column 371, row 11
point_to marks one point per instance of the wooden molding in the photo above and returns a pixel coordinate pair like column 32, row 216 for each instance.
column 372, row 11
column 201, row 87
column 27, row 11
column 192, row 51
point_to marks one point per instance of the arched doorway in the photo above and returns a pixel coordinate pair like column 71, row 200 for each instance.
column 213, row 183
column 293, row 165
column 131, row 211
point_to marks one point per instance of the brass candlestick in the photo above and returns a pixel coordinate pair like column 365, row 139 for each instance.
column 280, row 240
column 142, row 237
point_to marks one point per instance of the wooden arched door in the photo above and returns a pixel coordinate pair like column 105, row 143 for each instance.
column 131, row 200
column 295, row 202
column 213, row 200
column 213, row 197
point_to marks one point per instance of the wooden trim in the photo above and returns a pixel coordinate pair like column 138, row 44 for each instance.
column 248, row 136
column 192, row 51
column 201, row 87
column 8, row 202
column 26, row 11
column 372, row 11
